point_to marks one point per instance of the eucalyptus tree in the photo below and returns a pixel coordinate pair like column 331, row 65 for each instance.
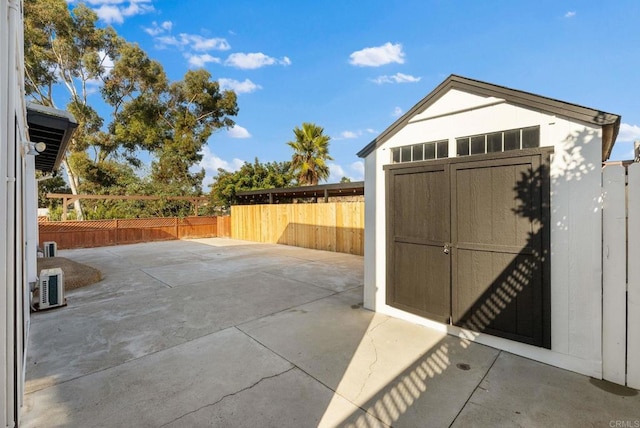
column 65, row 49
column 69, row 57
column 310, row 154
column 193, row 110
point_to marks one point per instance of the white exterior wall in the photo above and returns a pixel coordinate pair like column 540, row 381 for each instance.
column 576, row 265
column 5, row 363
column 15, row 224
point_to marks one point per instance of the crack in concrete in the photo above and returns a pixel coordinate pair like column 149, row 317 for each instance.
column 375, row 360
column 227, row 396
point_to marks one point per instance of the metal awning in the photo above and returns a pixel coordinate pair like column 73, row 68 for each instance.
column 54, row 128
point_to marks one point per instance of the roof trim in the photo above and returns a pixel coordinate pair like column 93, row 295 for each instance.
column 610, row 122
column 334, row 189
column 56, row 128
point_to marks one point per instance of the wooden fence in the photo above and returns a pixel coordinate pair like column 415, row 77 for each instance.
column 334, row 226
column 621, row 275
column 99, row 233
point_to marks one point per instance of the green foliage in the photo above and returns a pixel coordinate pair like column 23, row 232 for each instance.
column 55, row 214
column 172, row 121
column 53, row 184
column 345, row 180
column 251, row 176
column 310, row 154
column 195, row 108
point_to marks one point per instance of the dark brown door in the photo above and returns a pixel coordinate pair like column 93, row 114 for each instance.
column 418, row 219
column 489, row 211
column 498, row 213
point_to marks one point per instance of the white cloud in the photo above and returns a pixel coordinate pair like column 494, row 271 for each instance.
column 350, row 134
column 238, row 87
column 396, row 78
column 157, row 29
column 110, row 14
column 115, row 11
column 238, row 132
column 193, row 42
column 253, row 60
column 358, row 168
column 198, row 61
column 397, row 112
column 211, row 162
column 629, row 132
column 199, row 43
column 336, row 172
column 570, row 14
column 377, row 56
column 355, row 172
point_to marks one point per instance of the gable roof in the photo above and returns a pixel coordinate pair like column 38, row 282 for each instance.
column 610, row 122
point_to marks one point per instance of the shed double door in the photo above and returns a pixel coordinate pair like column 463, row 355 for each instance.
column 467, row 243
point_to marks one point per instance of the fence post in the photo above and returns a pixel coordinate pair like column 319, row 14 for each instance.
column 633, row 290
column 613, row 274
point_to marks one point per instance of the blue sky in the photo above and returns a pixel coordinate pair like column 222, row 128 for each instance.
column 354, row 67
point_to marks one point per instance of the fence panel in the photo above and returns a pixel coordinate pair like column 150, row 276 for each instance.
column 86, row 234
column 79, row 234
column 131, row 231
column 223, row 226
column 334, row 226
column 614, row 275
column 633, row 293
column 196, row 227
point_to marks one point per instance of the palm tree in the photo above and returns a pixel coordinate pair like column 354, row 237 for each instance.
column 311, row 151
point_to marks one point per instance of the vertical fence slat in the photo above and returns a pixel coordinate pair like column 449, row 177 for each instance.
column 329, row 226
column 613, row 275
column 633, row 293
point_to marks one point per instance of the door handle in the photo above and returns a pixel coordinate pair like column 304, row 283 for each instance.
column 447, row 248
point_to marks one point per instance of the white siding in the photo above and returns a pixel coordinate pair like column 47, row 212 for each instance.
column 15, row 224
column 370, row 179
column 614, row 269
column 633, row 302
column 5, row 391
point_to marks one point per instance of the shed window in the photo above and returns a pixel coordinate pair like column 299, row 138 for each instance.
column 462, row 146
column 443, row 149
column 405, row 154
column 514, row 139
column 418, row 152
column 478, row 145
column 422, row 151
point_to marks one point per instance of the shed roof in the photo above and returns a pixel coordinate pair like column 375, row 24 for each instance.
column 54, row 128
column 610, row 122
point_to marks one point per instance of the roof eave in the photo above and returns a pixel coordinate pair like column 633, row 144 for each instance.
column 51, row 118
column 512, row 96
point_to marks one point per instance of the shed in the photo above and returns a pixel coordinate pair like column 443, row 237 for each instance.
column 483, row 220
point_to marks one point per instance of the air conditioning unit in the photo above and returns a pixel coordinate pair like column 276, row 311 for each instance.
column 51, row 288
column 50, row 249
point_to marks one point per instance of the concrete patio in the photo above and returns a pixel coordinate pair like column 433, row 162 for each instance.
column 224, row 333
